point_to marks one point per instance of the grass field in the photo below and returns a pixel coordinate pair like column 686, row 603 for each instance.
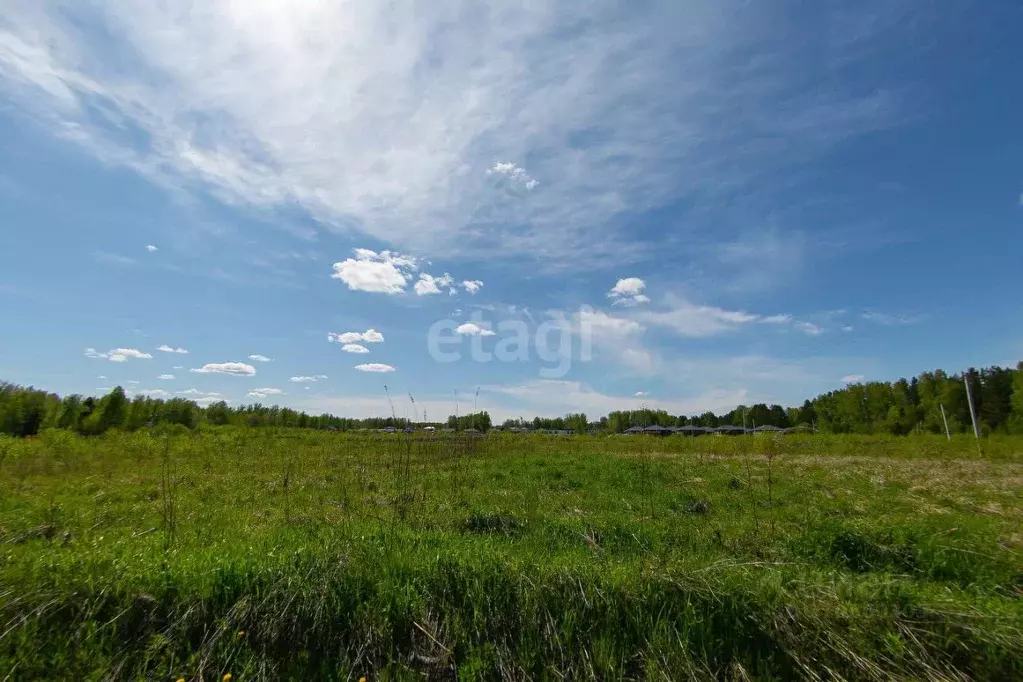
column 309, row 555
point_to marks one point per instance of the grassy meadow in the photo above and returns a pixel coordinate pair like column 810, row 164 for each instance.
column 293, row 554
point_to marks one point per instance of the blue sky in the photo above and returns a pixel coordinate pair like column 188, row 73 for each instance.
column 690, row 205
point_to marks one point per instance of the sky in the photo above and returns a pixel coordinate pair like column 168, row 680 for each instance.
column 524, row 207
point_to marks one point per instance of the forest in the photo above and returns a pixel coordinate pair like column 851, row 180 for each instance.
column 896, row 408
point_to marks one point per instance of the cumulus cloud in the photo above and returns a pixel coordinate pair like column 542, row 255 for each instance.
column 264, row 392
column 354, row 348
column 513, row 175
column 852, row 379
column 374, row 367
column 151, row 249
column 472, row 285
column 117, row 354
column 472, row 329
column 628, row 292
column 891, row 320
column 154, row 393
column 260, row 358
column 277, row 104
column 235, row 368
column 428, row 284
column 383, row 273
column 368, row 336
column 307, row 379
column 170, row 349
column 165, row 377
column 641, row 394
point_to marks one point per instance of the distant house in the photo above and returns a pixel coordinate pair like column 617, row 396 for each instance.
column 768, row 428
column 657, row 431
column 693, row 430
column 633, row 430
column 729, row 430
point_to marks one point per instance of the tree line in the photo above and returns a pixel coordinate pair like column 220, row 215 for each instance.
column 899, row 407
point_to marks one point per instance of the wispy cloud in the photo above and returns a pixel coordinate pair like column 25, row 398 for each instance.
column 260, row 358
column 374, row 367
column 264, row 392
column 170, row 349
column 307, row 379
column 165, row 377
column 117, row 354
column 852, row 379
column 275, row 104
column 891, row 320
column 151, row 248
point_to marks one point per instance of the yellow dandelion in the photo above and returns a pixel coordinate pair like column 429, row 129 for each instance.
column 226, row 677
column 241, row 633
column 181, row 679
column 362, row 679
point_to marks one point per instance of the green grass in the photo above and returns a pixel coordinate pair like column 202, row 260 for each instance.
column 143, row 556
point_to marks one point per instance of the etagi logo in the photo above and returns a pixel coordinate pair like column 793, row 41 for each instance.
column 556, row 342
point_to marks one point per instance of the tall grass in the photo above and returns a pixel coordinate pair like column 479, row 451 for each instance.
column 399, row 556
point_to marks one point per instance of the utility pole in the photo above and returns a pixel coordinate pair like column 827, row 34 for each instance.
column 945, row 419
column 969, row 400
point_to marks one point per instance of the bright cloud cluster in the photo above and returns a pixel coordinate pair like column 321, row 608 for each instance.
column 628, row 292
column 473, row 329
column 428, row 284
column 307, row 379
column 390, row 273
column 117, row 354
column 235, row 368
column 368, row 336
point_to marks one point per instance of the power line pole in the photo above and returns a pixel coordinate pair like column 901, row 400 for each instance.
column 945, row 419
column 969, row 400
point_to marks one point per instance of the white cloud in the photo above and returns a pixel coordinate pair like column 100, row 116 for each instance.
column 195, row 392
column 354, row 348
column 472, row 285
column 696, row 321
column 235, row 368
column 165, row 377
column 324, row 105
column 472, row 329
column 154, row 393
column 891, row 320
column 374, row 367
column 368, row 336
column 809, row 328
column 776, row 319
column 170, row 349
column 260, row 358
column 178, row 367
column 117, row 354
column 304, row 380
column 151, row 249
column 852, row 379
column 383, row 273
column 210, row 398
column 641, row 394
column 101, row 376
column 133, row 382
column 516, row 176
column 628, row 292
column 428, row 284
column 264, row 392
